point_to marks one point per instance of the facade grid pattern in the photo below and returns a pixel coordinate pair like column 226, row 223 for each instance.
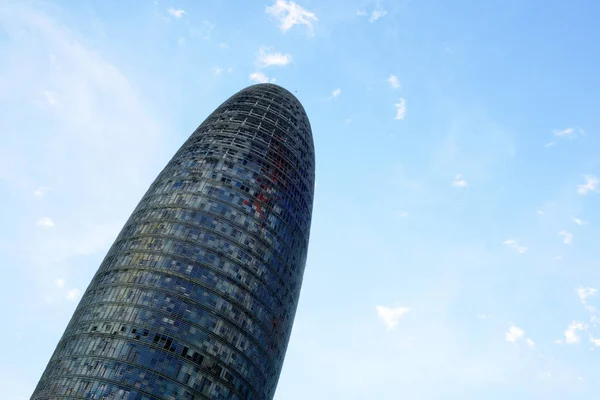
column 196, row 297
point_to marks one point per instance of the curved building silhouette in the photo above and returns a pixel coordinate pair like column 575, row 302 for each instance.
column 196, row 298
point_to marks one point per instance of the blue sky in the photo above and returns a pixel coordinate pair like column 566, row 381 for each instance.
column 453, row 248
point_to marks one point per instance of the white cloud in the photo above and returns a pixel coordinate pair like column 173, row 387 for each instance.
column 567, row 237
column 73, row 294
column 266, row 58
column 590, row 185
column 361, row 13
column 176, row 13
column 217, row 71
column 51, row 98
column 579, row 222
column 259, row 77
column 223, row 45
column 391, row 315
column 549, row 144
column 540, row 212
column 40, row 192
column 45, row 223
column 514, row 334
column 545, row 375
column 585, row 293
column 288, row 14
column 393, row 81
column 595, row 342
column 101, row 112
column 60, row 282
column 400, row 109
column 377, row 13
column 458, row 181
column 335, row 93
column 568, row 133
column 514, row 245
column 484, row 316
column 571, row 336
column 401, row 214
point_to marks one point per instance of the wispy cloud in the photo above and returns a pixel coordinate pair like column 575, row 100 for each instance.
column 377, row 13
column 45, row 223
column 514, row 245
column 584, row 293
column 590, row 185
column 459, row 181
column 217, row 71
column 335, row 93
column 579, row 222
column 73, row 294
column 400, row 109
column 100, row 112
column 394, row 81
column 401, row 214
column 288, row 14
column 266, row 57
column 51, row 98
column 514, row 334
column 566, row 236
column 570, row 133
column 549, row 144
column 259, row 77
column 391, row 315
column 60, row 282
column 40, row 192
column 545, row 375
column 176, row 13
column 571, row 334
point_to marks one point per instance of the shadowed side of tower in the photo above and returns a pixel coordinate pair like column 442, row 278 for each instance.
column 197, row 296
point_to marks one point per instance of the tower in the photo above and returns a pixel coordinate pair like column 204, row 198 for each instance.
column 196, row 297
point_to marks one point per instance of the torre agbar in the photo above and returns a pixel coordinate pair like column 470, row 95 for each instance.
column 196, row 297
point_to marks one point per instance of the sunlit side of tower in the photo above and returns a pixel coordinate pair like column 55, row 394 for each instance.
column 196, row 298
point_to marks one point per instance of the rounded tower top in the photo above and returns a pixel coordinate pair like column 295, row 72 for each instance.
column 271, row 104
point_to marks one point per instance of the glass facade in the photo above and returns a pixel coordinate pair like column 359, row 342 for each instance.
column 196, row 298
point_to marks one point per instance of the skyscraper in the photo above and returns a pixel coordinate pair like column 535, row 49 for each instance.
column 196, row 297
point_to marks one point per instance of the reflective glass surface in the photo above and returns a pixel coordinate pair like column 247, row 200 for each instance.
column 196, row 297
